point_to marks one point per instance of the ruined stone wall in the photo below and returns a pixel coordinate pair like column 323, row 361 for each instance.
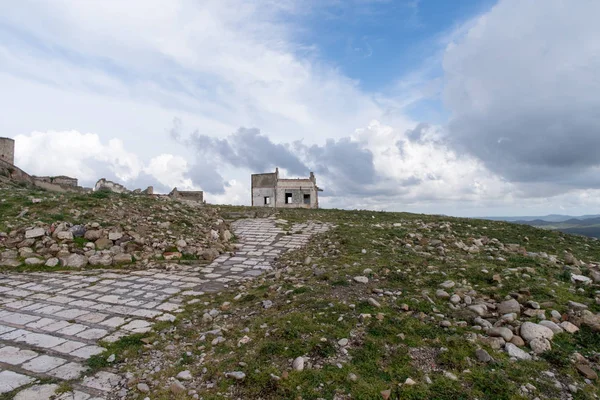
column 104, row 184
column 259, row 194
column 7, row 150
column 298, row 188
column 191, row 195
column 58, row 180
column 263, row 185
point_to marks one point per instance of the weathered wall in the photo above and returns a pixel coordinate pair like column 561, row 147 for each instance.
column 297, row 197
column 264, row 180
column 192, row 195
column 103, row 184
column 259, row 194
column 7, row 150
column 263, row 185
column 57, row 180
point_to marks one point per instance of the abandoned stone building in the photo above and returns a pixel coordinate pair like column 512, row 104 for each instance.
column 268, row 190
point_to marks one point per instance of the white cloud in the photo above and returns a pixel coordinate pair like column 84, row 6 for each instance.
column 170, row 170
column 76, row 154
column 522, row 85
column 86, row 157
column 123, row 74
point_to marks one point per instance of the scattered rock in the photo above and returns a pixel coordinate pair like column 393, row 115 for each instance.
column 530, row 331
column 586, row 371
column 509, row 306
column 237, row 375
column 516, row 352
column 298, row 364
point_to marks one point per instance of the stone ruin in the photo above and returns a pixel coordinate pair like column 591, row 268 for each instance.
column 11, row 172
column 269, row 190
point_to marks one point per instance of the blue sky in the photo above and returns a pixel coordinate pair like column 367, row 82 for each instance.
column 457, row 107
column 376, row 42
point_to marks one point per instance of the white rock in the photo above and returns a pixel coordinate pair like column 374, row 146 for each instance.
column 569, row 327
column 361, row 279
column 549, row 324
column 52, row 262
column 185, row 375
column 33, row 261
column 540, row 345
column 237, row 375
column 298, row 364
column 35, row 233
column 580, row 279
column 373, row 302
column 64, row 235
column 115, row 235
column 447, row 285
column 516, row 352
column 142, row 387
column 530, row 331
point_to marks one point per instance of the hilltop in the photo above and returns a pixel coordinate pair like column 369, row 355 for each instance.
column 378, row 305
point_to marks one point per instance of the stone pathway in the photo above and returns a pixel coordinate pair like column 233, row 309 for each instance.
column 51, row 322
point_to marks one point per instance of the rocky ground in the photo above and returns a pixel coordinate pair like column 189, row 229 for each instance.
column 375, row 306
column 392, row 306
column 41, row 230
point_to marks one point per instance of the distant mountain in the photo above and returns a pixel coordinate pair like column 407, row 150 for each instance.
column 546, row 218
column 586, row 225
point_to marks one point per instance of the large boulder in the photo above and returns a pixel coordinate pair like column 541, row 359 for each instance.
column 530, row 331
column 101, row 259
column 509, row 306
column 75, row 261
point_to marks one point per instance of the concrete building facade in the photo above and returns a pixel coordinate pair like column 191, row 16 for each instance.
column 7, row 150
column 268, row 190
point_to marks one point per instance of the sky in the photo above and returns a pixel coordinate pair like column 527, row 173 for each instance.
column 471, row 108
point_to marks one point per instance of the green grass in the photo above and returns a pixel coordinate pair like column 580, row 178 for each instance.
column 127, row 346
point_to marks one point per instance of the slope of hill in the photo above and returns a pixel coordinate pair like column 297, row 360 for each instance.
column 381, row 306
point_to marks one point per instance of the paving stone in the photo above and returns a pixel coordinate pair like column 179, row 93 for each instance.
column 103, row 380
column 68, row 347
column 40, row 340
column 88, row 351
column 37, row 392
column 15, row 356
column 10, row 381
column 43, row 363
column 68, row 371
column 74, row 395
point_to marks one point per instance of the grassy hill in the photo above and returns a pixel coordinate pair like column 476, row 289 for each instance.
column 382, row 306
column 401, row 335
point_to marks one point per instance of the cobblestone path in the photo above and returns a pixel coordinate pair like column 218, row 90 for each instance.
column 51, row 322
